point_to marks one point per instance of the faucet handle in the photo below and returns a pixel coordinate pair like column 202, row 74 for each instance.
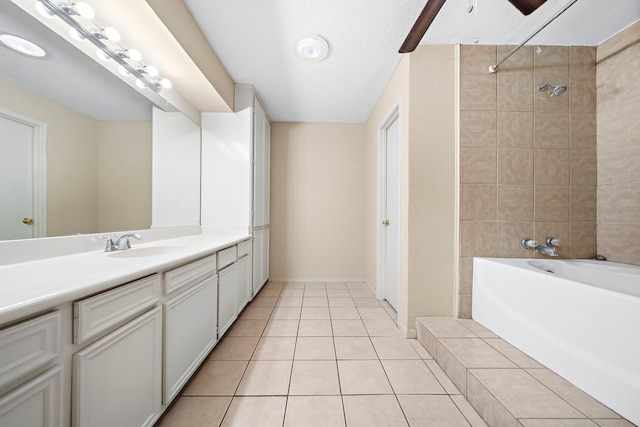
column 123, row 241
column 552, row 242
column 528, row 243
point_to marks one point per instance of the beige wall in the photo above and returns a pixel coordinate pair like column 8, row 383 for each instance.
column 527, row 160
column 317, row 201
column 618, row 86
column 124, row 175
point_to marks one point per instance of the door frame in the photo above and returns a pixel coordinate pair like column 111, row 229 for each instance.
column 39, row 163
column 392, row 115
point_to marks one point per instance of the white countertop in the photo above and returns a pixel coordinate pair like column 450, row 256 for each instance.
column 30, row 287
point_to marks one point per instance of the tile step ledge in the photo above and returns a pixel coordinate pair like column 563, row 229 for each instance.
column 504, row 385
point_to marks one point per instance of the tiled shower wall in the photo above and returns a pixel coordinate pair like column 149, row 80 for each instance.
column 619, row 147
column 527, row 160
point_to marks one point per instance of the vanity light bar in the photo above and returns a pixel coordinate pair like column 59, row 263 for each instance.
column 61, row 10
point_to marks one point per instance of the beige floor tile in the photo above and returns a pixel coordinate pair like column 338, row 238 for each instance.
column 445, row 327
column 315, row 348
column 572, row 394
column 432, row 410
column 315, row 293
column 338, row 293
column 354, row 348
column 335, row 286
column 382, row 328
column 247, row 328
column 245, row 411
column 315, row 313
column 269, row 291
column 293, row 285
column 216, row 378
column 392, row 313
column 234, row 348
column 475, row 353
column 255, row 313
column 394, row 348
column 443, row 379
column 348, row 328
column 196, row 412
column 341, row 302
column 315, row 302
column 556, row 423
column 344, row 313
column 314, row 377
column 357, row 286
column 512, row 353
column 363, row 293
column 469, row 413
column 289, row 302
column 296, row 293
column 477, row 328
column 522, row 394
column 613, row 423
column 422, row 352
column 284, row 313
column 273, row 285
column 265, row 378
column 314, row 286
column 363, row 377
column 455, row 370
column 281, row 328
column 264, row 301
column 373, row 313
column 275, row 348
column 411, row 377
column 314, row 411
column 368, row 411
column 366, row 302
column 315, row 328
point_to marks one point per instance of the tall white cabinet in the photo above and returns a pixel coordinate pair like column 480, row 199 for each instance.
column 236, row 149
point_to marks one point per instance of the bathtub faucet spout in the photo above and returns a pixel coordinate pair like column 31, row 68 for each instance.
column 550, row 250
column 546, row 250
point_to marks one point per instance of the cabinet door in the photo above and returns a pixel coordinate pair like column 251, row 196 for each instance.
column 260, row 258
column 37, row 403
column 190, row 322
column 244, row 266
column 260, row 168
column 227, row 298
column 118, row 379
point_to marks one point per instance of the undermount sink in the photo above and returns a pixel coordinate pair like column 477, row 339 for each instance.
column 144, row 252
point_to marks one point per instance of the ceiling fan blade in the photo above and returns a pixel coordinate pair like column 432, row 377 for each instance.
column 527, row 6
column 421, row 25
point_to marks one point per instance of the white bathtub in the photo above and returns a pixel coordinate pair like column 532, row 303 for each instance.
column 580, row 318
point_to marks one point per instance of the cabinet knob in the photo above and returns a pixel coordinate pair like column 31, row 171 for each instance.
column 385, row 222
column 28, row 221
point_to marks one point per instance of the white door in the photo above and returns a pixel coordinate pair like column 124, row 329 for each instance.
column 392, row 213
column 17, row 215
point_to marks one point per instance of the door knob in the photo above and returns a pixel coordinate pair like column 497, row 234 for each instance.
column 385, row 222
column 28, row 221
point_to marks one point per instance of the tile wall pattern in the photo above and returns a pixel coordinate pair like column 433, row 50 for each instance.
column 527, row 160
column 618, row 88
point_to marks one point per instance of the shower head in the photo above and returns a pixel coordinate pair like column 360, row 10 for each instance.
column 556, row 90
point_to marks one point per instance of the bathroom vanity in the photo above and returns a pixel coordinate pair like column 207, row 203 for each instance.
column 110, row 338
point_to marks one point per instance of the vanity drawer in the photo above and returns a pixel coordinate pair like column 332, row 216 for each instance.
column 189, row 274
column 103, row 312
column 226, row 257
column 28, row 347
column 244, row 248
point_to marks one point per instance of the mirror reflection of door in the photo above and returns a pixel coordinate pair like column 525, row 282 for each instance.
column 20, row 171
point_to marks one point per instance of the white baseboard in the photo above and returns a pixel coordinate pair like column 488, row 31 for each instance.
column 318, row 280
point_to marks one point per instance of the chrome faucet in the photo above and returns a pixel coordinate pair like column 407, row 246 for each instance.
column 550, row 250
column 120, row 243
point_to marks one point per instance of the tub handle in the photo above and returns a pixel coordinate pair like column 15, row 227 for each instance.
column 528, row 243
column 552, row 241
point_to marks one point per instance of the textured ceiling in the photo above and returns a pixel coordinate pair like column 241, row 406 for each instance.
column 254, row 39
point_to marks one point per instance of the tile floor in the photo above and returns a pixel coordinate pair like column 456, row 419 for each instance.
column 319, row 354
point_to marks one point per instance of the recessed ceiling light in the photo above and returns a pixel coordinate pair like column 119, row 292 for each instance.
column 312, row 47
column 23, row 46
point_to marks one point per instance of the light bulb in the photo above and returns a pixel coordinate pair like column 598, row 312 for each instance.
column 76, row 34
column 42, row 10
column 166, row 83
column 151, row 70
column 123, row 71
column 102, row 55
column 111, row 33
column 134, row 55
column 140, row 84
column 83, row 9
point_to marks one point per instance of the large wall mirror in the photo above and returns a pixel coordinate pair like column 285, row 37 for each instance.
column 76, row 142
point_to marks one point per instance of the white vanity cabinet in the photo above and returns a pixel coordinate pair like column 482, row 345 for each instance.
column 245, row 267
column 190, row 321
